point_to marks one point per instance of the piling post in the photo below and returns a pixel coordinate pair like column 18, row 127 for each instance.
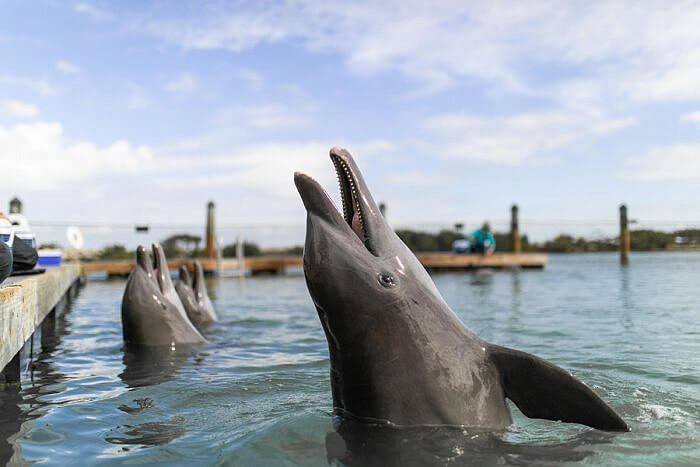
column 239, row 255
column 210, row 250
column 11, row 372
column 515, row 230
column 625, row 242
column 15, row 206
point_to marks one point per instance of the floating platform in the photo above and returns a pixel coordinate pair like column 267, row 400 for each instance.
column 24, row 303
column 275, row 264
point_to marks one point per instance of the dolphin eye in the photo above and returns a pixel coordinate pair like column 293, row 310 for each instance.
column 386, row 279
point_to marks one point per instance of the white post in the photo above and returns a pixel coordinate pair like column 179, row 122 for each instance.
column 239, row 255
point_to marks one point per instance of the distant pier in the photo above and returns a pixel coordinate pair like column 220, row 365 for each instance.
column 24, row 303
column 278, row 264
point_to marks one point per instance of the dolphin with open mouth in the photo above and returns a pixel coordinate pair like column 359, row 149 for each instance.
column 398, row 353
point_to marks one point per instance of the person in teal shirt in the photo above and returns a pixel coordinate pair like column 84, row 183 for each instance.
column 482, row 241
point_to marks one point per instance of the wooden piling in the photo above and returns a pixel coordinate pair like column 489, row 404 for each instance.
column 515, row 230
column 210, row 250
column 625, row 241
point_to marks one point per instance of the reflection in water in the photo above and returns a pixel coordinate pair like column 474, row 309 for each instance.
column 356, row 444
column 11, row 418
column 141, row 405
column 626, row 303
column 145, row 366
column 151, row 433
column 482, row 277
column 22, row 402
column 212, row 284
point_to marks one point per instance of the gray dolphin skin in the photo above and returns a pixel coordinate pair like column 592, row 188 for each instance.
column 152, row 313
column 398, row 353
column 194, row 297
column 200, row 292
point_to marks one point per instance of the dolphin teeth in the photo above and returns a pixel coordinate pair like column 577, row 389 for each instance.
column 348, row 194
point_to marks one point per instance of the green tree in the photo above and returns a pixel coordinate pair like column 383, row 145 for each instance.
column 116, row 252
column 181, row 245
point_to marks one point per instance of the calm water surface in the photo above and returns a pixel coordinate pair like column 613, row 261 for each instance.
column 258, row 393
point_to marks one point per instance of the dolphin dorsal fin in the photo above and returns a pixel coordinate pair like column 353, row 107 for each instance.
column 541, row 389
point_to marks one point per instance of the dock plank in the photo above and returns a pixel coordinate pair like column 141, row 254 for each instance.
column 24, row 303
column 466, row 261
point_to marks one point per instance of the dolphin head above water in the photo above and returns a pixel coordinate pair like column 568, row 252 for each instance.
column 152, row 313
column 398, row 353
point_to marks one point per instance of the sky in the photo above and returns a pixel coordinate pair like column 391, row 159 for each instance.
column 119, row 113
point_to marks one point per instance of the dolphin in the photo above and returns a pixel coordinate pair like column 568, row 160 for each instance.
column 194, row 297
column 398, row 353
column 152, row 313
column 200, row 291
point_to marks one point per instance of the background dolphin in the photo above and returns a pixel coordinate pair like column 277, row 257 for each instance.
column 398, row 353
column 200, row 292
column 152, row 313
column 194, row 297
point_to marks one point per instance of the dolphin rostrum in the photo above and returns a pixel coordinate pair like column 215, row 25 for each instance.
column 152, row 313
column 398, row 353
column 194, row 296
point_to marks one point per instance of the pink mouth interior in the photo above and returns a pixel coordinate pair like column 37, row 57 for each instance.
column 356, row 225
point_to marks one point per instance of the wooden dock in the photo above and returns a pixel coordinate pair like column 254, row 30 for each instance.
column 24, row 303
column 452, row 261
column 276, row 264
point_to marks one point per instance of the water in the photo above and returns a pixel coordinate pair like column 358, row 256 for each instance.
column 258, row 394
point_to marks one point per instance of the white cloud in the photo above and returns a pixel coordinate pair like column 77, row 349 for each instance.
column 671, row 162
column 138, row 97
column 265, row 168
column 66, row 67
column 516, row 139
column 91, row 10
column 184, row 83
column 626, row 47
column 17, row 109
column 418, row 178
column 692, row 117
column 254, row 79
column 275, row 116
column 39, row 86
column 42, row 157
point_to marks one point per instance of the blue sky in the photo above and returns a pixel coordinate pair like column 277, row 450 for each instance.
column 125, row 112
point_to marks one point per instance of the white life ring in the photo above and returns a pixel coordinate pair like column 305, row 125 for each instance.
column 75, row 237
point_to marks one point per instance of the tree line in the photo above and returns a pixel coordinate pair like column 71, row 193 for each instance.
column 189, row 246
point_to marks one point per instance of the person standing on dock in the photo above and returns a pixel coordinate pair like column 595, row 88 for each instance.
column 482, row 241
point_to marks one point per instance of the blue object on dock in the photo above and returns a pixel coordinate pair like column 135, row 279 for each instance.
column 49, row 258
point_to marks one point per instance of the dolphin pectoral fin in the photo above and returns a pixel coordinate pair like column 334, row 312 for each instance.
column 541, row 389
